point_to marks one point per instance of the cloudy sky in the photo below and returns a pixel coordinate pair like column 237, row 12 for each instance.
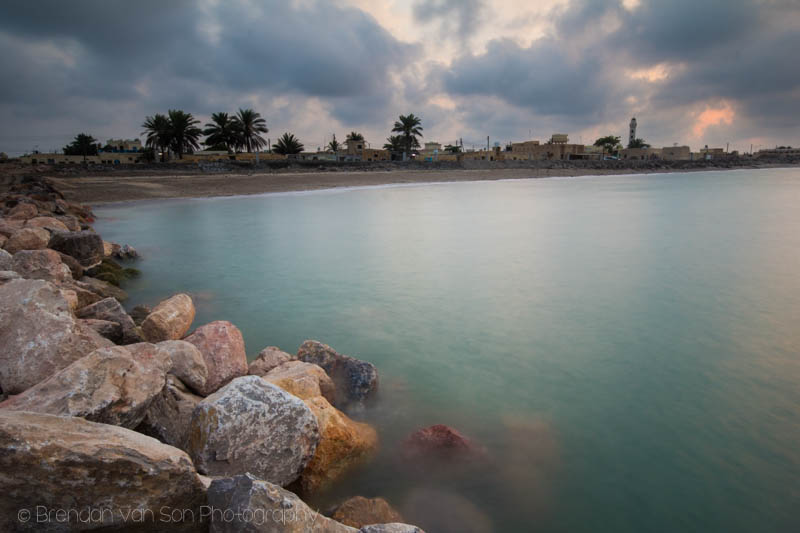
column 692, row 71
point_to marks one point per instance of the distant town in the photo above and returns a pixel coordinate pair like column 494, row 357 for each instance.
column 176, row 137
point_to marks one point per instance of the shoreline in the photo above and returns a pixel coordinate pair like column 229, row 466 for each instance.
column 110, row 189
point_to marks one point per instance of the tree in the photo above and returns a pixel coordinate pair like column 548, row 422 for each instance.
column 222, row 132
column 83, row 144
column 184, row 133
column 158, row 131
column 638, row 143
column 394, row 143
column 354, row 136
column 409, row 127
column 288, row 144
column 334, row 145
column 453, row 149
column 250, row 125
column 610, row 143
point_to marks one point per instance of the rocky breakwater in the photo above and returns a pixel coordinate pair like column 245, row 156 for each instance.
column 114, row 423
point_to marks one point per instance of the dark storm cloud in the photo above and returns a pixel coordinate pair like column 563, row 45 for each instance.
column 459, row 16
column 735, row 50
column 61, row 58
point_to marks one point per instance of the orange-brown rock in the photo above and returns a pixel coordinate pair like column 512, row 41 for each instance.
column 343, row 444
column 222, row 346
column 359, row 511
column 304, row 380
column 170, row 319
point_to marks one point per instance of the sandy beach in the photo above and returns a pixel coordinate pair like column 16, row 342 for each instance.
column 117, row 187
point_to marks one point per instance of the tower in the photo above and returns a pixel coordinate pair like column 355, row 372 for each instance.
column 632, row 132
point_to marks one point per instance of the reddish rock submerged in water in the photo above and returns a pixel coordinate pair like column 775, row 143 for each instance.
column 441, row 440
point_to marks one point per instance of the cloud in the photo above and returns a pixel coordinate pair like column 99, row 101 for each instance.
column 461, row 17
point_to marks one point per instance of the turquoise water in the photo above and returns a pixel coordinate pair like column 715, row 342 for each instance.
column 626, row 348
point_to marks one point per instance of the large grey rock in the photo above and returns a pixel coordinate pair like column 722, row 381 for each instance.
column 188, row 364
column 170, row 320
column 8, row 275
column 41, row 264
column 38, row 334
column 355, row 380
column 222, row 346
column 304, row 380
column 27, row 239
column 253, row 426
column 110, row 309
column 85, row 246
column 102, row 288
column 113, row 385
column 70, row 463
column 170, row 413
column 277, row 509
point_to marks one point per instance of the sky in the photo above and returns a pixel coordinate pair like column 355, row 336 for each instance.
column 697, row 72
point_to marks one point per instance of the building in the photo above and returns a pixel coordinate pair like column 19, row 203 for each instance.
column 676, row 153
column 712, row 153
column 557, row 148
column 779, row 152
column 124, row 145
column 102, row 158
column 640, row 153
column 222, row 155
column 632, row 131
column 359, row 151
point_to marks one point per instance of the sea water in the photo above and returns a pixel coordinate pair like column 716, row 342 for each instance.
column 626, row 348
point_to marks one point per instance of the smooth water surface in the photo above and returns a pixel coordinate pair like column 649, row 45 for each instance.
column 626, row 348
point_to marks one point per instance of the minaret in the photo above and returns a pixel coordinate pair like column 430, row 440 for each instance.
column 632, row 133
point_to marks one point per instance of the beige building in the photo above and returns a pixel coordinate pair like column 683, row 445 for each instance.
column 640, row 153
column 557, row 148
column 358, row 151
column 103, row 158
column 125, row 145
column 676, row 153
column 786, row 151
column 222, row 155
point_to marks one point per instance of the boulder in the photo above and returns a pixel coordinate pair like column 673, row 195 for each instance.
column 110, row 309
column 8, row 275
column 85, row 297
column 5, row 260
column 103, row 288
column 170, row 320
column 113, row 385
column 74, row 266
column 110, row 330
column 71, row 222
column 441, row 441
column 126, row 251
column 3, row 240
column 304, row 380
column 85, row 246
column 23, row 211
column 270, row 508
column 8, row 226
column 27, row 239
column 343, row 444
column 170, row 413
column 390, row 528
column 48, row 223
column 38, row 334
column 267, row 359
column 355, row 380
column 70, row 297
column 359, row 511
column 108, row 248
column 41, row 264
column 139, row 313
column 253, row 426
column 69, row 463
column 188, row 364
column 222, row 346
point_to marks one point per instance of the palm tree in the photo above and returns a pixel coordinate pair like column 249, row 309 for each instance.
column 83, row 144
column 609, row 143
column 409, row 127
column 638, row 143
column 250, row 125
column 394, row 143
column 334, row 145
column 354, row 136
column 222, row 131
column 157, row 128
column 184, row 133
column 288, row 144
